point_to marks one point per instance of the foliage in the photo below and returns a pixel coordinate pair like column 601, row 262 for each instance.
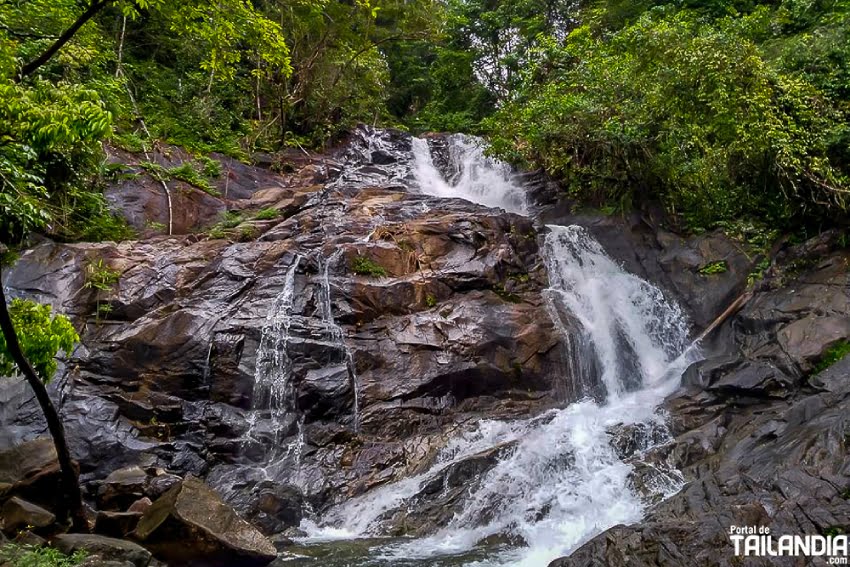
column 100, row 276
column 268, row 213
column 32, row 556
column 229, row 221
column 365, row 266
column 684, row 109
column 49, row 147
column 718, row 267
column 832, row 355
column 54, row 120
column 41, row 336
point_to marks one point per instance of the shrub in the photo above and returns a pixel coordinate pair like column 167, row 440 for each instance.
column 41, row 336
column 367, row 267
column 832, row 355
column 267, row 214
column 32, row 556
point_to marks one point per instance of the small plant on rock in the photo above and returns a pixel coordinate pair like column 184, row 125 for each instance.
column 101, row 278
column 832, row 355
column 718, row 267
column 267, row 214
column 364, row 266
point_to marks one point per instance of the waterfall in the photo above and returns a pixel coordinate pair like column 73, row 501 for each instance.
column 335, row 334
column 557, row 480
column 273, row 388
column 472, row 175
column 633, row 331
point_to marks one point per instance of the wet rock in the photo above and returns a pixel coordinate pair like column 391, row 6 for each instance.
column 122, row 488
column 116, row 524
column 31, row 470
column 105, row 548
column 439, row 498
column 191, row 525
column 805, row 340
column 17, row 514
column 276, row 507
column 141, row 505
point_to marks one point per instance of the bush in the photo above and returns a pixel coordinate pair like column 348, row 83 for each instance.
column 41, row 336
column 31, row 556
column 680, row 110
column 367, row 267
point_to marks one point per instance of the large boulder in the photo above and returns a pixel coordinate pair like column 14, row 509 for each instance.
column 17, row 514
column 191, row 525
column 31, row 470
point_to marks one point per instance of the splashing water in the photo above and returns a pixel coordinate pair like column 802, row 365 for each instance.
column 558, row 480
column 473, row 176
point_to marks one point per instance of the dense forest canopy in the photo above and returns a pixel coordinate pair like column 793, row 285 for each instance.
column 723, row 112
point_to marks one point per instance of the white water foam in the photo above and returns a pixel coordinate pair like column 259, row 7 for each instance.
column 473, row 176
column 559, row 481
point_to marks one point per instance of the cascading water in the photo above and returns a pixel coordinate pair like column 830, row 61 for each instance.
column 472, row 175
column 558, row 480
column 273, row 389
column 334, row 332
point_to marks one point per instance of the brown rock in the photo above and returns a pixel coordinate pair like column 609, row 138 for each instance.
column 19, row 514
column 141, row 505
column 191, row 525
column 106, row 548
column 31, row 471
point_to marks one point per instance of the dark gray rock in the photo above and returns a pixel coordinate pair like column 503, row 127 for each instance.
column 105, row 548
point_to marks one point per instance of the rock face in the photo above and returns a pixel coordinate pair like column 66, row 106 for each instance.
column 190, row 525
column 761, row 438
column 300, row 356
column 20, row 514
column 449, row 324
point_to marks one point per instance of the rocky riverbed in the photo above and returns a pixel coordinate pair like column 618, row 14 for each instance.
column 334, row 331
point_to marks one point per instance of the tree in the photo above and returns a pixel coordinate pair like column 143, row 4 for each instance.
column 41, row 338
column 683, row 110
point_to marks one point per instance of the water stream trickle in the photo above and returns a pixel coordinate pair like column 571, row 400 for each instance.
column 558, row 479
column 335, row 334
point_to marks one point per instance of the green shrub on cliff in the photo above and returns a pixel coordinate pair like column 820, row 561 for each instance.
column 364, row 266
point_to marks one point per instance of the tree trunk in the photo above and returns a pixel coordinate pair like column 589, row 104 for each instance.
column 72, row 501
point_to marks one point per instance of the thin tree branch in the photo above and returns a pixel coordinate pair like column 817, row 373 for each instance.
column 94, row 7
